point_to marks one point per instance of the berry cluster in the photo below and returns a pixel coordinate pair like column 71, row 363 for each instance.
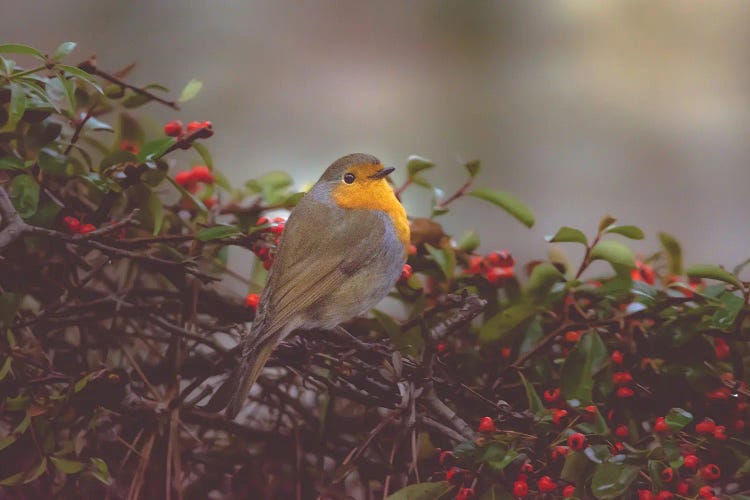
column 175, row 128
column 74, row 225
column 191, row 179
column 497, row 267
column 269, row 237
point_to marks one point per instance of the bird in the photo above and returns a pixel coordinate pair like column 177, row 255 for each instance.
column 343, row 249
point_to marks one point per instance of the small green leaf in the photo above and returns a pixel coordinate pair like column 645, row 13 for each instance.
column 9, row 303
column 612, row 480
column 218, row 232
column 191, row 90
column 18, row 48
column 409, row 343
column 82, row 383
column 445, row 259
column 67, row 466
column 576, row 378
column 725, row 316
column 469, row 241
column 535, row 403
column 101, row 471
column 81, row 75
column 63, row 50
column 615, row 253
column 70, row 93
column 605, row 222
column 52, row 162
column 416, row 164
column 206, row 156
column 24, row 192
column 677, row 419
column 155, row 211
column 568, row 235
column 507, row 202
column 17, row 105
column 575, row 467
column 5, row 368
column 11, row 163
column 674, row 253
column 422, row 491
column 710, row 271
column 632, row 232
column 473, row 167
column 543, row 278
column 155, row 149
column 506, row 321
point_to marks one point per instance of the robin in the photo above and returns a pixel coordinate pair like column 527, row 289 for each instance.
column 343, row 249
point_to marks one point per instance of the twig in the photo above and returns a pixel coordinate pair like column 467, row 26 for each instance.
column 14, row 224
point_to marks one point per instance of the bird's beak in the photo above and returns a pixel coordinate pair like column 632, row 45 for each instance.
column 383, row 172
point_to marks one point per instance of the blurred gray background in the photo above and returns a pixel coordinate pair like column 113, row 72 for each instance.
column 640, row 109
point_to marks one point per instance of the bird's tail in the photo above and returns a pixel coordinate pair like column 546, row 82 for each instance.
column 233, row 392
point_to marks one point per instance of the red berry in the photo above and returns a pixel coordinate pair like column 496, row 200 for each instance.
column 520, row 489
column 476, row 265
column 589, row 412
column 667, row 475
column 568, row 491
column 73, row 224
column 559, row 452
column 412, row 250
column 129, row 146
column 551, row 395
column 441, row 347
column 465, row 494
column 720, row 433
column 625, row 392
column 721, row 349
column 720, row 394
column 738, row 425
column 690, row 461
column 546, row 484
column 645, row 495
column 711, row 472
column 173, row 128
column 262, row 221
column 202, row 173
column 616, row 357
column 184, row 178
column 683, row 488
column 277, row 227
column 444, row 456
column 706, row 491
column 251, row 300
column 665, row 495
column 622, row 431
column 209, row 202
column 498, row 275
column 558, row 415
column 454, row 475
column 572, row 336
column 622, row 378
column 86, row 228
column 661, row 425
column 577, row 441
column 505, row 352
column 208, row 127
column 486, row 424
column 527, row 468
column 616, row 448
column 502, row 258
column 706, row 426
column 406, row 273
column 193, row 126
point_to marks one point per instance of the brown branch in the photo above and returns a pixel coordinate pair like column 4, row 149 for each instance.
column 14, row 224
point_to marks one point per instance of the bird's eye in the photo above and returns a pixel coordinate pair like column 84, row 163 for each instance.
column 349, row 178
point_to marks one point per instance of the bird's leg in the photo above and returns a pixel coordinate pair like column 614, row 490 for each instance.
column 342, row 334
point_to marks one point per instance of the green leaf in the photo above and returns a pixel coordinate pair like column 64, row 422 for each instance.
column 82, row 383
column 155, row 211
column 473, row 167
column 445, row 259
column 416, row 164
column 17, row 432
column 11, row 163
column 568, row 234
column 725, row 316
column 506, row 321
column 575, row 467
column 67, row 466
column 26, row 476
column 5, row 369
column 18, row 48
column 710, row 271
column 632, row 232
column 422, row 491
column 63, row 50
column 507, row 202
column 535, row 403
column 52, row 162
column 24, row 192
column 81, row 75
column 612, row 480
column 9, row 303
column 409, row 343
column 576, row 378
column 273, row 186
column 605, row 222
column 543, row 278
column 615, row 253
column 101, row 471
column 674, row 253
column 155, row 149
column 206, row 156
column 70, row 93
column 17, row 105
column 197, row 203
column 191, row 90
column 116, row 158
column 130, row 129
column 677, row 419
column 101, row 184
column 469, row 241
column 218, row 232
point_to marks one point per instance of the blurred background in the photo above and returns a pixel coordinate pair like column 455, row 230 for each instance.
column 639, row 109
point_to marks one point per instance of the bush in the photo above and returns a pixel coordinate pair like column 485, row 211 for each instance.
column 115, row 328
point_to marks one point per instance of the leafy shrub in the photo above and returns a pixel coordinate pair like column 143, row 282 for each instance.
column 115, row 327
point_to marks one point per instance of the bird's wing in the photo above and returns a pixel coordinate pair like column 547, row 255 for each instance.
column 319, row 250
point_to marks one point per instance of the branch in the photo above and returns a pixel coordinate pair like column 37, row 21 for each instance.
column 14, row 224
